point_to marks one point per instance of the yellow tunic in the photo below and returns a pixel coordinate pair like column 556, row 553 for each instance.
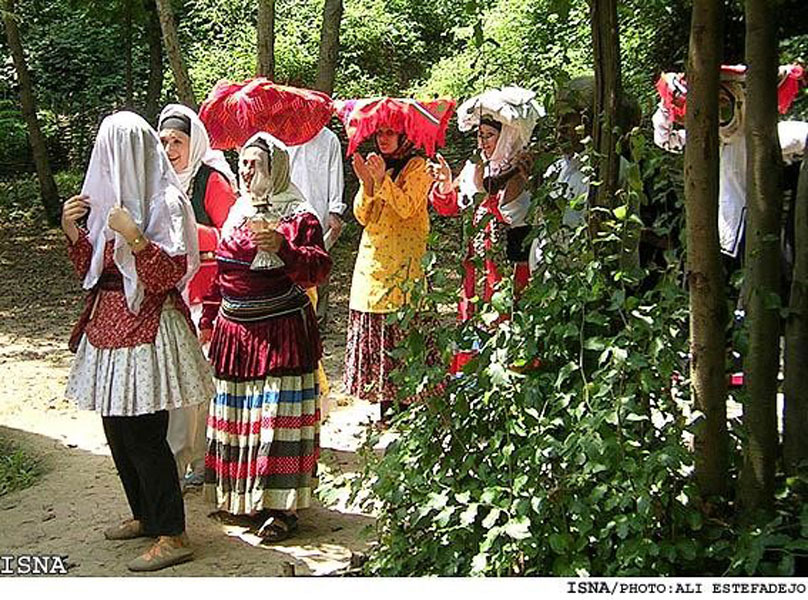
column 394, row 240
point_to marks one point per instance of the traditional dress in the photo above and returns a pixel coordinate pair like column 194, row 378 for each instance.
column 136, row 351
column 264, row 425
column 210, row 185
column 396, row 225
column 500, row 240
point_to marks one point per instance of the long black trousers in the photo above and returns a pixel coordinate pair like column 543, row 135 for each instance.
column 147, row 471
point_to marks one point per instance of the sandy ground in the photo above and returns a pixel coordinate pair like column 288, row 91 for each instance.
column 79, row 494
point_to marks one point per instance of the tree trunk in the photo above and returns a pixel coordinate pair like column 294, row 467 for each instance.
column 763, row 201
column 266, row 39
column 155, row 85
column 606, row 46
column 795, row 419
column 707, row 305
column 329, row 46
column 127, row 54
column 172, row 44
column 47, row 186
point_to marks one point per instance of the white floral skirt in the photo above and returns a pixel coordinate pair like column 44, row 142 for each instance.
column 170, row 373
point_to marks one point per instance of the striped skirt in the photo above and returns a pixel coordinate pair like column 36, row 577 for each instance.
column 263, row 442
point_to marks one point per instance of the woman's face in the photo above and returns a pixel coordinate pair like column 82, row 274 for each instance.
column 487, row 138
column 252, row 168
column 178, row 148
column 387, row 140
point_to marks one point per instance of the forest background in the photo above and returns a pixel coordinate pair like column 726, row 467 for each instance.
column 582, row 467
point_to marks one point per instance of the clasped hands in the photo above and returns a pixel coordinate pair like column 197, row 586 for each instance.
column 370, row 171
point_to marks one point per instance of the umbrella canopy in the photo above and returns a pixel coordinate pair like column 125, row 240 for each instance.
column 423, row 122
column 234, row 112
column 672, row 87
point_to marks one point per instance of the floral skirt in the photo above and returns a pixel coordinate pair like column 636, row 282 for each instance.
column 368, row 364
column 263, row 442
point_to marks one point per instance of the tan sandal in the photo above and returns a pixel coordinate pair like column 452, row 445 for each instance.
column 128, row 530
column 165, row 552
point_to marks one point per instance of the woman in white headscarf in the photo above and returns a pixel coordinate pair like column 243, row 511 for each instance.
column 136, row 354
column 210, row 185
column 263, row 436
column 504, row 120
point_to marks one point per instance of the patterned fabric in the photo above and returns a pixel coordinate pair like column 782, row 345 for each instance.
column 396, row 222
column 234, row 112
column 424, row 123
column 106, row 320
column 263, row 444
column 368, row 364
column 169, row 373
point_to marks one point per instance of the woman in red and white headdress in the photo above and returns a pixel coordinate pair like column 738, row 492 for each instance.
column 392, row 206
column 492, row 183
column 670, row 135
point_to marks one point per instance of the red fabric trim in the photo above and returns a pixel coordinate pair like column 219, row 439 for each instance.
column 233, row 112
column 424, row 123
column 235, row 428
column 264, row 465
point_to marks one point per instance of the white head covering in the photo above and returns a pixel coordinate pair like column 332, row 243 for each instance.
column 201, row 151
column 129, row 168
column 516, row 108
column 282, row 195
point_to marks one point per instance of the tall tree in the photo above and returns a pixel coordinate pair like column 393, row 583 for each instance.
column 606, row 46
column 127, row 53
column 795, row 418
column 707, row 304
column 266, row 39
column 155, row 84
column 763, row 201
column 329, row 46
column 172, row 46
column 47, row 185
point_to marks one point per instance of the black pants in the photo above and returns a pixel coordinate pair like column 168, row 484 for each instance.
column 147, row 471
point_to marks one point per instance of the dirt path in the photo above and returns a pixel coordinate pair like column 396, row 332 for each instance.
column 79, row 495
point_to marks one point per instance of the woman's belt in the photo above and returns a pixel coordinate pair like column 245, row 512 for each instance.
column 258, row 309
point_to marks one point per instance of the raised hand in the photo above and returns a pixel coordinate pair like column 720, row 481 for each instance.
column 120, row 221
column 376, row 167
column 267, row 240
column 440, row 172
column 72, row 210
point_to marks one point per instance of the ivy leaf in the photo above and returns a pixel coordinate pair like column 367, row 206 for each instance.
column 518, row 528
column 491, row 518
column 468, row 516
column 559, row 542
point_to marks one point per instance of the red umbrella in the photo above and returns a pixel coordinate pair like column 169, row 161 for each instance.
column 423, row 122
column 233, row 112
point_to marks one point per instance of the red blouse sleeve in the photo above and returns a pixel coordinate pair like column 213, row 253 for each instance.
column 444, row 204
column 307, row 262
column 80, row 254
column 157, row 271
column 210, row 304
column 219, row 197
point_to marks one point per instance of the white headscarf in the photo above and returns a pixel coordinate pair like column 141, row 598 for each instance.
column 129, row 168
column 283, row 196
column 516, row 108
column 200, row 152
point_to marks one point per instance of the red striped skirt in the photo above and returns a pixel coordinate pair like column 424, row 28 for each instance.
column 263, row 442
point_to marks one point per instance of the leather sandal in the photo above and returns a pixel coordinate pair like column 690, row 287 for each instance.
column 165, row 552
column 128, row 530
column 278, row 527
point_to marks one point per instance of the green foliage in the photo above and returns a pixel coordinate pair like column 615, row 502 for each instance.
column 18, row 469
column 19, row 197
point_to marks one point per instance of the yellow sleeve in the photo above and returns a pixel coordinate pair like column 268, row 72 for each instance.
column 367, row 209
column 407, row 196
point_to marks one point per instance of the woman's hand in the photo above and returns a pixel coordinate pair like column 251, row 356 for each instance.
column 376, row 167
column 267, row 240
column 120, row 221
column 205, row 336
column 360, row 167
column 72, row 210
column 440, row 172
